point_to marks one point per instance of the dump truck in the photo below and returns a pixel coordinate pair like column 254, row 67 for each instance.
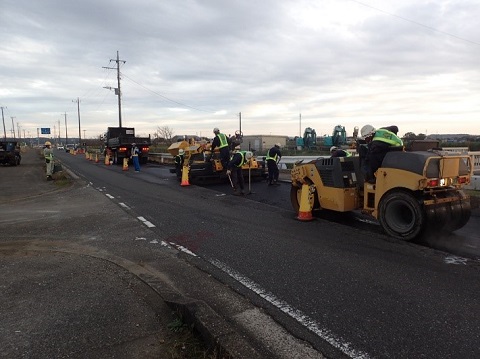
column 205, row 167
column 414, row 192
column 118, row 144
column 10, row 153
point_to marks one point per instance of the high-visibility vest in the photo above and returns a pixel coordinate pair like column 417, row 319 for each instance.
column 48, row 154
column 223, row 140
column 387, row 137
column 242, row 162
column 179, row 159
column 347, row 154
column 270, row 157
column 135, row 151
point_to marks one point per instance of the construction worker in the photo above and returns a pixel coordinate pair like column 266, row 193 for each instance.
column 48, row 154
column 273, row 158
column 338, row 152
column 134, row 156
column 379, row 142
column 179, row 162
column 222, row 142
column 234, row 168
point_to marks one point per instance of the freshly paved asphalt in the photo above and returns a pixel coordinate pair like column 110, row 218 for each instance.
column 76, row 281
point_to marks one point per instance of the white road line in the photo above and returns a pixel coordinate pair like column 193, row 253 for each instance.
column 456, row 260
column 183, row 249
column 109, row 196
column 145, row 222
column 124, row 205
column 296, row 314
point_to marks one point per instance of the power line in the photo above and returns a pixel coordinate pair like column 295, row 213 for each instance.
column 164, row 97
column 416, row 23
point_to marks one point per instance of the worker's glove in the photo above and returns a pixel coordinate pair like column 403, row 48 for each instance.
column 229, row 172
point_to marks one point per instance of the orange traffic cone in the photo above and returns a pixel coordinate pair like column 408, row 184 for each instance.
column 306, row 199
column 107, row 160
column 185, row 176
column 125, row 164
column 96, row 157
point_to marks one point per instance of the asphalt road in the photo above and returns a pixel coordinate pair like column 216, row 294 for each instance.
column 350, row 291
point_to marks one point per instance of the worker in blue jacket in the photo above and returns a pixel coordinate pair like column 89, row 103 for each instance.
column 134, row 155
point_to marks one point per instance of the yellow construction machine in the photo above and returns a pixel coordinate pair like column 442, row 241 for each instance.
column 414, row 192
column 203, row 166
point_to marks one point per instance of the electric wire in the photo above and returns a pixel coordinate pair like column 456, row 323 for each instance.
column 416, row 23
column 164, row 97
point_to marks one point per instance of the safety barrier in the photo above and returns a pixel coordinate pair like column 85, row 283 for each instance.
column 162, row 158
column 288, row 161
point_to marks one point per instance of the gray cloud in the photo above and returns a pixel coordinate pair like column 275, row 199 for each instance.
column 346, row 62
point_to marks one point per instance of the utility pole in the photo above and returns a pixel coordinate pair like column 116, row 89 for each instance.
column 118, row 92
column 78, row 110
column 66, row 134
column 13, row 128
column 300, row 132
column 240, row 119
column 18, row 131
column 4, row 131
column 59, row 138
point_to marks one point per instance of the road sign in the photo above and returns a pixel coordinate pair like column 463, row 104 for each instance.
column 45, row 131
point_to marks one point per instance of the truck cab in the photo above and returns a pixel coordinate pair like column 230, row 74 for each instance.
column 10, row 153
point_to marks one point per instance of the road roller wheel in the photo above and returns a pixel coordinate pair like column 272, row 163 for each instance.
column 449, row 216
column 295, row 193
column 401, row 215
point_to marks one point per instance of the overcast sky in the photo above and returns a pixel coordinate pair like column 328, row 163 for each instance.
column 283, row 64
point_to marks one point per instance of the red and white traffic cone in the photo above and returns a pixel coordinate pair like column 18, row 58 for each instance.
column 185, row 176
column 306, row 200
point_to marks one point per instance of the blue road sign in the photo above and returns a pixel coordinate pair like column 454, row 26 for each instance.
column 45, row 131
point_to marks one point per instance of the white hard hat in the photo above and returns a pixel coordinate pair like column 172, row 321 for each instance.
column 277, row 144
column 248, row 155
column 181, row 151
column 216, row 130
column 367, row 131
column 333, row 148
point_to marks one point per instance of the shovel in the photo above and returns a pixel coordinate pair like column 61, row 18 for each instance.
column 231, row 183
